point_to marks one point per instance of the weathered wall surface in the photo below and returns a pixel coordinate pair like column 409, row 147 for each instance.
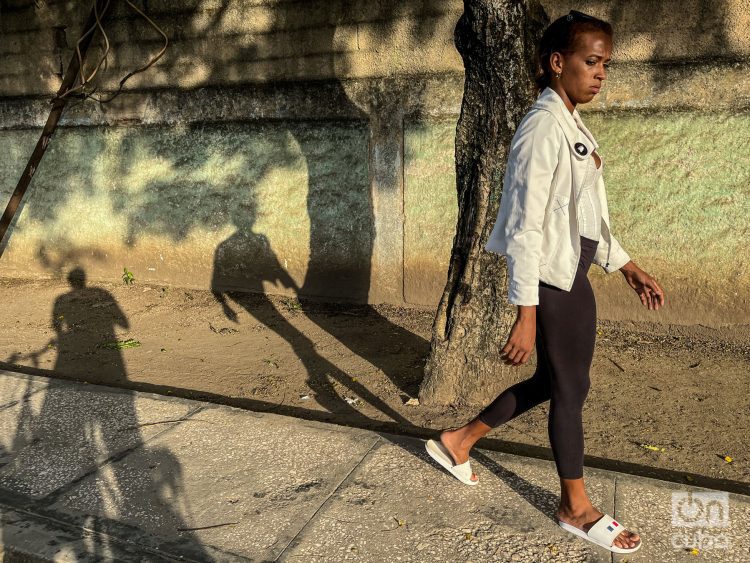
column 201, row 206
column 308, row 147
column 238, row 41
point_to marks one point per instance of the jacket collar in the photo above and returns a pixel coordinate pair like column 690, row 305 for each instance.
column 550, row 101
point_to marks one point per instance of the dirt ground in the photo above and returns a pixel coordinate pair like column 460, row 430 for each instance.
column 682, row 390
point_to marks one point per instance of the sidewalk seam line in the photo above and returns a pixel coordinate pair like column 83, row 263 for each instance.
column 322, row 504
column 54, row 496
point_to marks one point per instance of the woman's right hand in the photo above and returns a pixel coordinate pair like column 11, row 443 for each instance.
column 522, row 337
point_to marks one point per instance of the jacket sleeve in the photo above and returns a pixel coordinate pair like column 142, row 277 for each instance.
column 609, row 255
column 617, row 255
column 532, row 161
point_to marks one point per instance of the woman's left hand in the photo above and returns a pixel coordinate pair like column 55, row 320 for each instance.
column 650, row 293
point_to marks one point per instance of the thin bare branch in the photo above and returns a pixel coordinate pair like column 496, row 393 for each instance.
column 149, row 64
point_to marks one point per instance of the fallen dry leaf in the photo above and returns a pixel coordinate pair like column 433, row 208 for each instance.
column 652, row 448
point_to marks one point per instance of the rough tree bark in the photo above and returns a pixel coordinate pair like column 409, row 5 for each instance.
column 497, row 40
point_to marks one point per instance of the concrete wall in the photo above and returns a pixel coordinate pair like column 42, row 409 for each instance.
column 308, row 146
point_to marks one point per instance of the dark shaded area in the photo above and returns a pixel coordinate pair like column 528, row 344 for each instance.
column 83, row 432
column 245, row 260
column 76, row 334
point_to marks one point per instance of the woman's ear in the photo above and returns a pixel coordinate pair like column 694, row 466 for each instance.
column 556, row 62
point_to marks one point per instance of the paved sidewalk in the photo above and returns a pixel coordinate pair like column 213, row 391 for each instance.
column 93, row 473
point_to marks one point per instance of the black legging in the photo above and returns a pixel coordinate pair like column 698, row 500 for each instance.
column 565, row 336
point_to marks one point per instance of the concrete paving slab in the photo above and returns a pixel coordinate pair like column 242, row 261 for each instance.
column 67, row 429
column 93, row 473
column 672, row 519
column 240, row 482
column 398, row 505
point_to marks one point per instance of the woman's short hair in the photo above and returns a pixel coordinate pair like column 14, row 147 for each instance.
column 560, row 37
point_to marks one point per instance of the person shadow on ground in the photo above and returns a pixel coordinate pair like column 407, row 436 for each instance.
column 62, row 435
column 243, row 262
column 85, row 320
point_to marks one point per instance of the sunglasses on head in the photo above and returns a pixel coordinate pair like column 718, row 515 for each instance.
column 580, row 16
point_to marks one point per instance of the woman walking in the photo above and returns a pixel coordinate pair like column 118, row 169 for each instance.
column 553, row 223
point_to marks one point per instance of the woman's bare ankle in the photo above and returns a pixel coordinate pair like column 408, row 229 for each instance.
column 575, row 508
column 573, row 497
column 472, row 433
column 467, row 435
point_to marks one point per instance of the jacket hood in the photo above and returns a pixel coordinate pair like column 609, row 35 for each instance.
column 550, row 101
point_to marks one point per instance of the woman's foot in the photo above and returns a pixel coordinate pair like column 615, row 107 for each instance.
column 456, row 444
column 584, row 519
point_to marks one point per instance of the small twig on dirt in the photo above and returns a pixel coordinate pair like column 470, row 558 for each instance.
column 616, row 364
column 281, row 404
column 270, row 545
column 207, row 527
column 224, row 330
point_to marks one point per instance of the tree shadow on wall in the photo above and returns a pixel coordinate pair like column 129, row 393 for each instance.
column 340, row 203
column 67, row 439
column 706, row 27
column 342, row 231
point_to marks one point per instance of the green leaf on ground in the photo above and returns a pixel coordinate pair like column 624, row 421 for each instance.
column 119, row 344
column 127, row 276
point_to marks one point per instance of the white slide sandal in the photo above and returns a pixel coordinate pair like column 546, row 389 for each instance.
column 439, row 453
column 602, row 533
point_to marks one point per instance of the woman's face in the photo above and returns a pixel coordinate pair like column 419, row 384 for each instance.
column 583, row 71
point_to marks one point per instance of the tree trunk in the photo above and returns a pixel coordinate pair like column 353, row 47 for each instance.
column 497, row 40
column 58, row 106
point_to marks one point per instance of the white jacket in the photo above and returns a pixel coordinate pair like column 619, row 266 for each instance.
column 537, row 224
